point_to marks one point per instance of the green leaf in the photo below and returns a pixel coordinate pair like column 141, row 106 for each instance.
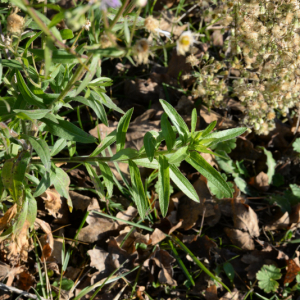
column 202, row 166
column 225, row 146
column 56, row 19
column 216, row 191
column 176, row 119
column 35, row 114
column 229, row 270
column 194, row 120
column 125, row 154
column 179, row 155
column 296, row 145
column 226, row 135
column 45, row 183
column 96, row 181
column 295, row 190
column 267, row 277
column 66, row 34
column 94, row 104
column 271, row 163
column 61, row 182
column 88, row 77
column 164, row 184
column 208, row 129
column 167, row 131
column 108, row 140
column 41, row 148
column 108, row 178
column 67, row 130
column 13, row 173
column 59, row 145
column 107, row 52
column 21, row 219
column 106, row 101
column 71, row 148
column 58, row 56
column 150, row 144
column 183, row 183
column 139, row 196
column 122, row 129
column 32, row 208
column 49, row 47
column 28, row 96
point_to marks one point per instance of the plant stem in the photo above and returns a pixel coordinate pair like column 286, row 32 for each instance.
column 119, row 14
column 87, row 159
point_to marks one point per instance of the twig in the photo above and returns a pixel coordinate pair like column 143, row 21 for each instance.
column 6, row 288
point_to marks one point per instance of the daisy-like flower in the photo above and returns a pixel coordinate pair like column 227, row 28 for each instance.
column 87, row 25
column 141, row 51
column 185, row 42
column 152, row 25
column 15, row 23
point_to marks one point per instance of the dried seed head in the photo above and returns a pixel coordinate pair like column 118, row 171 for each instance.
column 151, row 24
column 141, row 51
column 15, row 23
column 192, row 60
column 107, row 42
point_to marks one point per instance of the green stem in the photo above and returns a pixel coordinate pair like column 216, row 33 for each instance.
column 87, row 159
column 119, row 14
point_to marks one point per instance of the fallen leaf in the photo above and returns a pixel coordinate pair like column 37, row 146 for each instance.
column 245, row 218
column 260, row 182
column 8, row 216
column 25, row 281
column 222, row 122
column 127, row 215
column 233, row 295
column 292, row 271
column 241, row 239
column 4, row 270
column 280, row 221
column 236, row 105
column 98, row 257
column 211, row 293
column 99, row 228
column 157, row 236
column 80, row 201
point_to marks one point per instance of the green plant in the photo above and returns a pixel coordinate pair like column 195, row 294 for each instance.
column 267, row 278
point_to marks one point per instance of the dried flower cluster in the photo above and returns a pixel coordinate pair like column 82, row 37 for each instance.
column 264, row 46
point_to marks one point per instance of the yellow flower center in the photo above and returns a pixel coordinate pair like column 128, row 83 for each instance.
column 185, row 41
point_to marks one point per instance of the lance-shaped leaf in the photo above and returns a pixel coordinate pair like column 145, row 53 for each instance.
column 96, row 181
column 108, row 178
column 41, row 148
column 176, row 119
column 122, row 129
column 32, row 207
column 13, row 173
column 108, row 140
column 167, row 131
column 34, row 114
column 225, row 135
column 179, row 155
column 59, row 145
column 212, row 175
column 164, row 184
column 182, row 183
column 138, row 192
column 150, row 144
column 194, row 120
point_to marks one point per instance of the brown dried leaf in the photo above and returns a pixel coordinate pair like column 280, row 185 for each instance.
column 8, row 216
column 235, row 105
column 127, row 215
column 98, row 228
column 46, row 252
column 157, row 236
column 260, row 182
column 25, row 281
column 210, row 116
column 280, row 221
column 234, row 295
column 240, row 239
column 80, row 201
column 245, row 218
column 211, row 293
column 53, row 202
column 4, row 270
column 98, row 257
column 292, row 271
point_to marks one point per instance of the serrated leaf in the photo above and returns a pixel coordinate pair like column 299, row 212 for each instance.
column 176, row 119
column 212, row 175
column 183, row 183
column 267, row 277
column 108, row 178
column 138, row 192
column 164, row 184
column 41, row 148
column 150, row 144
column 122, row 129
column 35, row 114
column 271, row 163
column 179, row 155
column 67, row 130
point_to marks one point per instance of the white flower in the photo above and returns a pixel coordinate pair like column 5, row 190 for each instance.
column 87, row 25
column 185, row 42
